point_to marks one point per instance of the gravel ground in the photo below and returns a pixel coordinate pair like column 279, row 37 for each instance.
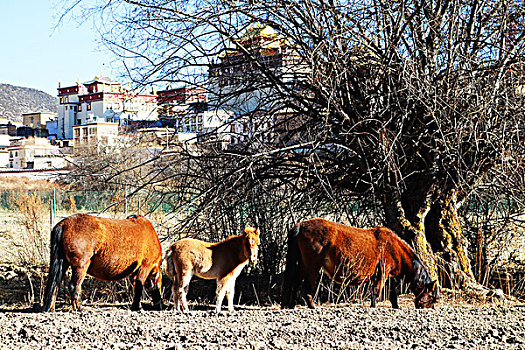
column 348, row 327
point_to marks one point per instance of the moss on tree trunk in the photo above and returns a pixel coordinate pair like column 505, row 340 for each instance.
column 444, row 233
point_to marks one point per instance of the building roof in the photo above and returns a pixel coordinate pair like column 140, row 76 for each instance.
column 100, row 79
column 258, row 31
column 259, row 37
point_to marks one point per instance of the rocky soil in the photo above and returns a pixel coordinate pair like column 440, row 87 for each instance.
column 460, row 322
column 348, row 327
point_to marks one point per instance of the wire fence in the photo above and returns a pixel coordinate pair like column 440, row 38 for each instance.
column 114, row 202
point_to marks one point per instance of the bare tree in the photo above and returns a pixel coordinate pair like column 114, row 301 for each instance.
column 406, row 108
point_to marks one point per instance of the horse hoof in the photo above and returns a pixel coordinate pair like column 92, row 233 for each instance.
column 159, row 307
column 37, row 308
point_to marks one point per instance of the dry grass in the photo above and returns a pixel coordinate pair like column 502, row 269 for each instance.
column 25, row 184
column 24, row 234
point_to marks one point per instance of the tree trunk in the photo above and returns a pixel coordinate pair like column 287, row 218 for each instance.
column 410, row 227
column 443, row 232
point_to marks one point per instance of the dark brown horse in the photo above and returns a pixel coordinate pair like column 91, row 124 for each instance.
column 106, row 249
column 351, row 256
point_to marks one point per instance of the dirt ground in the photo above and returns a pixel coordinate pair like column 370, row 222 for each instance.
column 460, row 322
column 327, row 327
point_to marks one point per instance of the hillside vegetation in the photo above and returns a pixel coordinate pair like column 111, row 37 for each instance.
column 16, row 100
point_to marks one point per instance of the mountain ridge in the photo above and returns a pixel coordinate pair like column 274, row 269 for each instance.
column 16, row 100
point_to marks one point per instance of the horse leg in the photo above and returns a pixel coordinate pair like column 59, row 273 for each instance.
column 155, row 278
column 392, row 295
column 230, row 290
column 312, row 275
column 175, row 292
column 378, row 281
column 222, row 286
column 78, row 274
column 184, row 286
column 138, row 286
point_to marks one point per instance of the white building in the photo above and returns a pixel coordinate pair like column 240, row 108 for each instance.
column 234, row 72
column 185, row 109
column 256, row 129
column 98, row 99
column 5, row 142
column 95, row 133
column 37, row 119
column 35, row 153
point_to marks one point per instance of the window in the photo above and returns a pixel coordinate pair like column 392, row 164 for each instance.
column 80, row 108
column 88, row 106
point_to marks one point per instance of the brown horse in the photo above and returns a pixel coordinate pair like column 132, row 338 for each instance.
column 222, row 261
column 106, row 249
column 351, row 256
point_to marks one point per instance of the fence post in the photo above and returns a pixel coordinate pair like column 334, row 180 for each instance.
column 54, row 205
column 51, row 212
column 53, row 208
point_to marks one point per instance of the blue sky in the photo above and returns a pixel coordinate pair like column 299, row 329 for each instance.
column 35, row 54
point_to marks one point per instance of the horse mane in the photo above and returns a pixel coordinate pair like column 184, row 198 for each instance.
column 228, row 239
column 403, row 243
column 422, row 270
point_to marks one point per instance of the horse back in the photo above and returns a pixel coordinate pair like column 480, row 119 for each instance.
column 189, row 254
column 207, row 260
column 114, row 246
column 344, row 251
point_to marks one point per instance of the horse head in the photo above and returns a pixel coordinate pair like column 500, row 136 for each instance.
column 252, row 243
column 428, row 297
column 425, row 289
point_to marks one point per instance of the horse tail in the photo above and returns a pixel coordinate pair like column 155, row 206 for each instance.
column 57, row 267
column 291, row 272
column 170, row 267
column 172, row 273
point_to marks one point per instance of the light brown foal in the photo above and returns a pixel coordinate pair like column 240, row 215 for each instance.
column 222, row 261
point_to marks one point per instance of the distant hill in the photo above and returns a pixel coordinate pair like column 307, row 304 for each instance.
column 15, row 100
